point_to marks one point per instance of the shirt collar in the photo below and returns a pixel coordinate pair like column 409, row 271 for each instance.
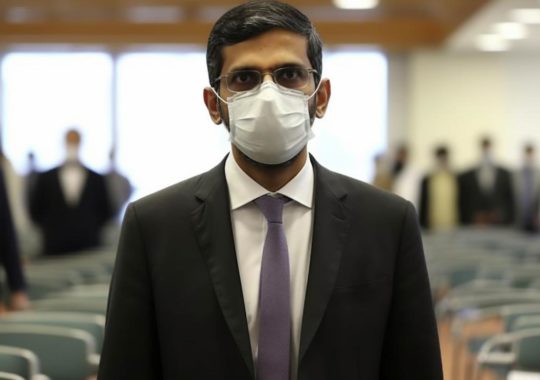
column 243, row 189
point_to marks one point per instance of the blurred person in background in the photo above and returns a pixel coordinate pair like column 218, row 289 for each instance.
column 401, row 157
column 382, row 177
column 486, row 195
column 269, row 266
column 118, row 185
column 70, row 203
column 405, row 177
column 9, row 258
column 15, row 187
column 439, row 194
column 31, row 177
column 30, row 240
column 119, row 189
column 527, row 191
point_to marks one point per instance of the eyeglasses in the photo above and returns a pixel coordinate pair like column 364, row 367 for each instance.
column 291, row 77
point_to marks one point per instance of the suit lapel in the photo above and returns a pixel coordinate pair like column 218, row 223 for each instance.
column 330, row 230
column 212, row 225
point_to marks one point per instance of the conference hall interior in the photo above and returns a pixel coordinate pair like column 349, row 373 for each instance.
column 437, row 101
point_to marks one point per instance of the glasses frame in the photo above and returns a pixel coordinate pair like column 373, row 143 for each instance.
column 262, row 74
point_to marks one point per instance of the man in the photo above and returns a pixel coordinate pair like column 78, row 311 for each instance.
column 70, row 203
column 382, row 177
column 438, row 194
column 485, row 192
column 185, row 299
column 31, row 177
column 527, row 191
column 405, row 177
column 9, row 257
column 119, row 187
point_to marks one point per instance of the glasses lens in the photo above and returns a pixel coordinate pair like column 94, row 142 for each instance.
column 243, row 80
column 291, row 77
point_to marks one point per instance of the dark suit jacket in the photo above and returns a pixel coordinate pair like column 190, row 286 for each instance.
column 69, row 228
column 9, row 253
column 176, row 309
column 473, row 201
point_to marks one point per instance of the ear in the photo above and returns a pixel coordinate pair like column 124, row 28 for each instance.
column 323, row 97
column 211, row 102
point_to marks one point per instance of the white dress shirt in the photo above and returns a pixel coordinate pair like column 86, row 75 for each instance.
column 249, row 229
column 72, row 180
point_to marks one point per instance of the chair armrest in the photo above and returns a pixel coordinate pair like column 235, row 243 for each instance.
column 498, row 350
column 93, row 362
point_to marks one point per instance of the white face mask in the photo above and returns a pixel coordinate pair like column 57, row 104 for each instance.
column 270, row 125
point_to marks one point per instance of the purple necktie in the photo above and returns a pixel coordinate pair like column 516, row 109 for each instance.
column 274, row 296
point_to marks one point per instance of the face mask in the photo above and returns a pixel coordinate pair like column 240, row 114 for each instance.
column 270, row 125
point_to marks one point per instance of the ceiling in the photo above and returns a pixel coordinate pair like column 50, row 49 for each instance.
column 393, row 25
column 484, row 23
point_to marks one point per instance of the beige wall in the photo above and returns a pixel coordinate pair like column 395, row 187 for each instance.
column 457, row 98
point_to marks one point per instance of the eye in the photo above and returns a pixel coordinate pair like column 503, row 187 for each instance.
column 291, row 77
column 243, row 80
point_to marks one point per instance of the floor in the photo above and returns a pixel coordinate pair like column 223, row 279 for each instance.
column 457, row 363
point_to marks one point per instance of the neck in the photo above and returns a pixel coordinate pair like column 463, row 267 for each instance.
column 272, row 178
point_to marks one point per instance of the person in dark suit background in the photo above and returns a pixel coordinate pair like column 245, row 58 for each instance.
column 485, row 192
column 438, row 206
column 526, row 182
column 119, row 187
column 70, row 203
column 30, row 178
column 185, row 294
column 9, row 257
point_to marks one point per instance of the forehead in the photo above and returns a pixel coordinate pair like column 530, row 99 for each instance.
column 269, row 50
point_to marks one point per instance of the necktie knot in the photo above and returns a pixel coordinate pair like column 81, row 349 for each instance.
column 271, row 207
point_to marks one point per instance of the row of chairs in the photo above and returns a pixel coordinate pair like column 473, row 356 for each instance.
column 486, row 287
column 61, row 336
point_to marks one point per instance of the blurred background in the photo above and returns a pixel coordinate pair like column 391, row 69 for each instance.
column 409, row 77
column 129, row 74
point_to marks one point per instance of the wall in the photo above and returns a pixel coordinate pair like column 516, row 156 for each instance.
column 457, row 98
column 398, row 98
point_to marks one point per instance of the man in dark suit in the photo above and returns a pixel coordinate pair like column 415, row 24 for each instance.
column 485, row 195
column 70, row 203
column 191, row 278
column 526, row 185
column 9, row 256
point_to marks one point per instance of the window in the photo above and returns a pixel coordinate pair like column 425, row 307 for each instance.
column 46, row 93
column 164, row 133
column 354, row 127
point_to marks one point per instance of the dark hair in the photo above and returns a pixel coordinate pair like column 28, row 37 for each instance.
column 485, row 142
column 441, row 151
column 252, row 19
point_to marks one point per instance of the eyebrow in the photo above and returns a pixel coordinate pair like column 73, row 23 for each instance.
column 256, row 68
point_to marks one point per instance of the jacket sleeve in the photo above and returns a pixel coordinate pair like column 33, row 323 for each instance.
column 411, row 345
column 130, row 349
column 9, row 252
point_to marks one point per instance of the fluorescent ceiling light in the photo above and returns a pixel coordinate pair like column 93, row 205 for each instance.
column 492, row 42
column 356, row 4
column 164, row 14
column 511, row 30
column 526, row 16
